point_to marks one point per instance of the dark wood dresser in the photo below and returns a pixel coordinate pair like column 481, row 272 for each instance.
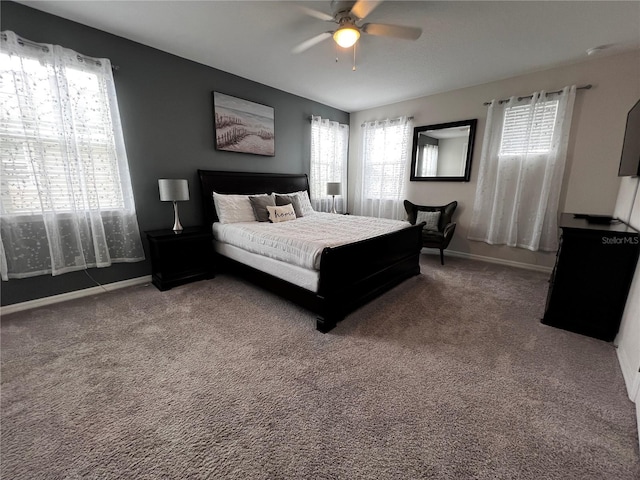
column 592, row 275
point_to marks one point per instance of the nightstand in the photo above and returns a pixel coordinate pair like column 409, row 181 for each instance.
column 179, row 258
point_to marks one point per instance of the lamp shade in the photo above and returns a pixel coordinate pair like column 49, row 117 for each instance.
column 173, row 189
column 334, row 188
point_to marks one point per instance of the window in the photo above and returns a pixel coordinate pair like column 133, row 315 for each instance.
column 528, row 128
column 91, row 178
column 66, row 199
column 329, row 147
column 384, row 166
column 385, row 155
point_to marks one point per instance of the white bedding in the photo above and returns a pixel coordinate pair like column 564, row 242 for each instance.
column 301, row 241
column 302, row 277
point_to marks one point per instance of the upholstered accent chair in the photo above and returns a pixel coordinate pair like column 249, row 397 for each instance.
column 438, row 230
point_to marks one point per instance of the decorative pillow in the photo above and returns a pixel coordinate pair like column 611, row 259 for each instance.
column 259, row 204
column 283, row 213
column 294, row 200
column 431, row 219
column 233, row 208
column 305, row 203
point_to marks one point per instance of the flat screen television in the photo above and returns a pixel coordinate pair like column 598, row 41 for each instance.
column 630, row 161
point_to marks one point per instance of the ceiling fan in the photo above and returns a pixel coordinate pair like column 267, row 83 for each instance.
column 347, row 15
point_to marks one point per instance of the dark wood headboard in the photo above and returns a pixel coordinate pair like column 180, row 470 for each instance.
column 245, row 183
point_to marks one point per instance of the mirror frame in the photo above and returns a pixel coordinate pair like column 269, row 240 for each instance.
column 440, row 126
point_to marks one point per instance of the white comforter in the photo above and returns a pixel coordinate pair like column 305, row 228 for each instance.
column 301, row 241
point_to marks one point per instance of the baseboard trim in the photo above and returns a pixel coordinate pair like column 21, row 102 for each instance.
column 631, row 377
column 499, row 261
column 63, row 297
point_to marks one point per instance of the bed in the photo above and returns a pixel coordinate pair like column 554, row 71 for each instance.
column 349, row 275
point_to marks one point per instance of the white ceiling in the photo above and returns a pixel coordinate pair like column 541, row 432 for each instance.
column 463, row 43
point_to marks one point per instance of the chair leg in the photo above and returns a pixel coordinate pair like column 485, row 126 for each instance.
column 441, row 256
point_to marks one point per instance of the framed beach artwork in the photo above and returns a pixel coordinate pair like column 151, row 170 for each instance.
column 243, row 126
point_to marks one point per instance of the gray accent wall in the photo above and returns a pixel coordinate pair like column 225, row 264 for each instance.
column 166, row 109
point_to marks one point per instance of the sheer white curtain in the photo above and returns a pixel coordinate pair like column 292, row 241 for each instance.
column 522, row 165
column 66, row 195
column 383, row 172
column 329, row 148
column 429, row 161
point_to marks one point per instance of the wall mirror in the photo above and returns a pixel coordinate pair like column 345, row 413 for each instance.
column 443, row 152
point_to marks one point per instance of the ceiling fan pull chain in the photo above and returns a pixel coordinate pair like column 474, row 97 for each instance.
column 354, row 57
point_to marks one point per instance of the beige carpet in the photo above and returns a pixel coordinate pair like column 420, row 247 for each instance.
column 450, row 375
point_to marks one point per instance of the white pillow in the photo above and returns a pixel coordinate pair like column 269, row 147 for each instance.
column 305, row 203
column 283, row 213
column 233, row 208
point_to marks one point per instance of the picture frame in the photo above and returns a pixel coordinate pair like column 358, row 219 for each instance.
column 243, row 126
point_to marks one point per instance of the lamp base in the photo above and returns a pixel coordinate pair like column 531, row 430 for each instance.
column 333, row 205
column 177, row 227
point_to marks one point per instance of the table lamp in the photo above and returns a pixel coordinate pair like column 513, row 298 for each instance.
column 333, row 189
column 174, row 190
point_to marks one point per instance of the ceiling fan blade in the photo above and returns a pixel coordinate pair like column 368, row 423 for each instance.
column 397, row 31
column 316, row 14
column 362, row 8
column 307, row 44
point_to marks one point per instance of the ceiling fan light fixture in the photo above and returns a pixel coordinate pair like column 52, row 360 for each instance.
column 346, row 36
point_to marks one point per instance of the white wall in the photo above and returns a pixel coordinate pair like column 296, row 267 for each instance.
column 590, row 184
column 450, row 156
column 628, row 339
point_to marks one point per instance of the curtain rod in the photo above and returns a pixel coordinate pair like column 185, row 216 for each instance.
column 44, row 48
column 338, row 122
column 311, row 118
column 584, row 87
column 363, row 124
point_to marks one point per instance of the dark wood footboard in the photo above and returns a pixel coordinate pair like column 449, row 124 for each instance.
column 353, row 274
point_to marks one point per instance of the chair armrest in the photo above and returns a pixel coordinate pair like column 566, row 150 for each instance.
column 411, row 210
column 448, row 233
